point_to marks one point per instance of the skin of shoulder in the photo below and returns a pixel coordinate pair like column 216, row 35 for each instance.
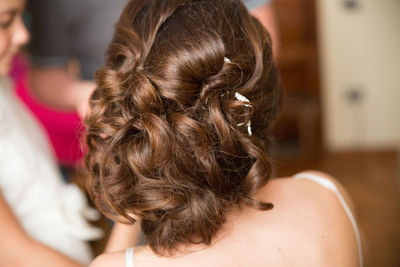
column 338, row 185
column 109, row 259
column 317, row 230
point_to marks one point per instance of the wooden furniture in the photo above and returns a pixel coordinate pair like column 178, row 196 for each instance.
column 298, row 128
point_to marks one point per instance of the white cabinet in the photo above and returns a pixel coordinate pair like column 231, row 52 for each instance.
column 360, row 73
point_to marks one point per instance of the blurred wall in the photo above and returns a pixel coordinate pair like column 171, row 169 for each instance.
column 360, row 71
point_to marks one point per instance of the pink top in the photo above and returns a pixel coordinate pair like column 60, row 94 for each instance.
column 63, row 128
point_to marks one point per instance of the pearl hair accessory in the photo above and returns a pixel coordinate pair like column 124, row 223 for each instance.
column 243, row 99
column 246, row 102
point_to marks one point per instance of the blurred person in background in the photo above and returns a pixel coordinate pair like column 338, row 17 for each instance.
column 42, row 219
column 63, row 32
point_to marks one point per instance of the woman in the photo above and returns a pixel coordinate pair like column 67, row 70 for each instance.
column 178, row 138
column 42, row 220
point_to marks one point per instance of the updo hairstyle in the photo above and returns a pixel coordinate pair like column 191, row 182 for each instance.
column 167, row 138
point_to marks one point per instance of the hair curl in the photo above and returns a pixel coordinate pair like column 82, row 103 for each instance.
column 163, row 137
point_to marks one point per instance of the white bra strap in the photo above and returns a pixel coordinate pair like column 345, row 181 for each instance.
column 331, row 186
column 129, row 257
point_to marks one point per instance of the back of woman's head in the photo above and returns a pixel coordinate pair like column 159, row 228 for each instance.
column 171, row 138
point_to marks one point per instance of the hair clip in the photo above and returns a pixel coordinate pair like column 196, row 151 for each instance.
column 243, row 99
column 248, row 125
column 247, row 103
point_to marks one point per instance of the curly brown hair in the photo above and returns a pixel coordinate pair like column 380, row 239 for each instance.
column 167, row 140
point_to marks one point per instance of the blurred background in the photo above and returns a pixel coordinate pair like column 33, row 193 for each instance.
column 340, row 66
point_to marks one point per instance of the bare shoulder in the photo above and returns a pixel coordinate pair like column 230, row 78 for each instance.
column 312, row 218
column 115, row 259
column 316, row 197
column 332, row 184
column 320, row 188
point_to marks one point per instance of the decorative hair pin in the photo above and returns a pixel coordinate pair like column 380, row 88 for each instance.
column 247, row 103
column 248, row 125
column 244, row 100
